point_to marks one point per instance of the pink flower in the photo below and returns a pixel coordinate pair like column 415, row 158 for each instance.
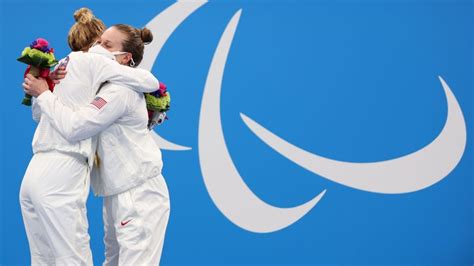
column 162, row 89
column 160, row 92
column 40, row 44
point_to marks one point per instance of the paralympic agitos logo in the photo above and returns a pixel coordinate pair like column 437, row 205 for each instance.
column 224, row 184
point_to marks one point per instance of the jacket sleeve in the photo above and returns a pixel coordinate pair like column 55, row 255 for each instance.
column 89, row 120
column 104, row 69
column 35, row 110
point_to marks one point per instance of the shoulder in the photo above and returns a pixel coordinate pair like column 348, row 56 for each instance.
column 80, row 58
column 119, row 95
column 94, row 57
column 74, row 56
column 119, row 90
column 91, row 55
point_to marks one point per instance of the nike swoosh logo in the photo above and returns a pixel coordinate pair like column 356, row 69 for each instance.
column 123, row 223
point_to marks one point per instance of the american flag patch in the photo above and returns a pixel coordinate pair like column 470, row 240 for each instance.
column 99, row 102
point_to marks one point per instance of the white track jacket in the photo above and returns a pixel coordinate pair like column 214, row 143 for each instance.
column 85, row 73
column 128, row 155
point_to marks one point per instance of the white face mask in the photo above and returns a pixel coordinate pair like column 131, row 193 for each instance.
column 99, row 49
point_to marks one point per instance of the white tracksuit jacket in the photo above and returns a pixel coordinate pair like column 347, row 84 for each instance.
column 55, row 187
column 127, row 152
column 136, row 199
column 85, row 73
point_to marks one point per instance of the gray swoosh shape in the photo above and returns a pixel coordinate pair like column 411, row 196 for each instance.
column 162, row 26
column 408, row 173
column 223, row 182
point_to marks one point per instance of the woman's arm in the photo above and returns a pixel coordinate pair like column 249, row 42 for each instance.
column 103, row 69
column 89, row 120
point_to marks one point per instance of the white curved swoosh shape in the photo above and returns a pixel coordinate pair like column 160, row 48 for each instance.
column 408, row 173
column 223, row 182
column 162, row 26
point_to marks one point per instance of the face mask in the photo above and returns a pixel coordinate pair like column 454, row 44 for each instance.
column 99, row 49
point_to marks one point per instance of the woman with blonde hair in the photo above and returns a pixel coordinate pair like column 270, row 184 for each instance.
column 136, row 202
column 55, row 187
column 86, row 31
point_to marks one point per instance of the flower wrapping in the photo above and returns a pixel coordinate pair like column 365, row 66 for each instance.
column 40, row 58
column 157, row 103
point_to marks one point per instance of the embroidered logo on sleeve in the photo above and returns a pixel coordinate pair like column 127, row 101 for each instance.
column 99, row 102
column 123, row 223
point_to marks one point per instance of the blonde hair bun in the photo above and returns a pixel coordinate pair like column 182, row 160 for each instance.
column 83, row 15
column 85, row 31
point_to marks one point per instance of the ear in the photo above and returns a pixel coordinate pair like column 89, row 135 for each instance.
column 127, row 58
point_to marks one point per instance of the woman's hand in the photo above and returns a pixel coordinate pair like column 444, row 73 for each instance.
column 58, row 74
column 33, row 86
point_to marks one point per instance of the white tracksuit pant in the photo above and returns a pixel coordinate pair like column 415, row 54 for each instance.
column 135, row 224
column 53, row 198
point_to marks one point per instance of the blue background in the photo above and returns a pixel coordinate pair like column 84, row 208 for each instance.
column 349, row 80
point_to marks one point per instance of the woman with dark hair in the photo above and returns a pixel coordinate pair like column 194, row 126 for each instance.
column 128, row 165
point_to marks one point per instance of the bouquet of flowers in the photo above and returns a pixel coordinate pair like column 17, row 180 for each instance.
column 39, row 58
column 157, row 103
